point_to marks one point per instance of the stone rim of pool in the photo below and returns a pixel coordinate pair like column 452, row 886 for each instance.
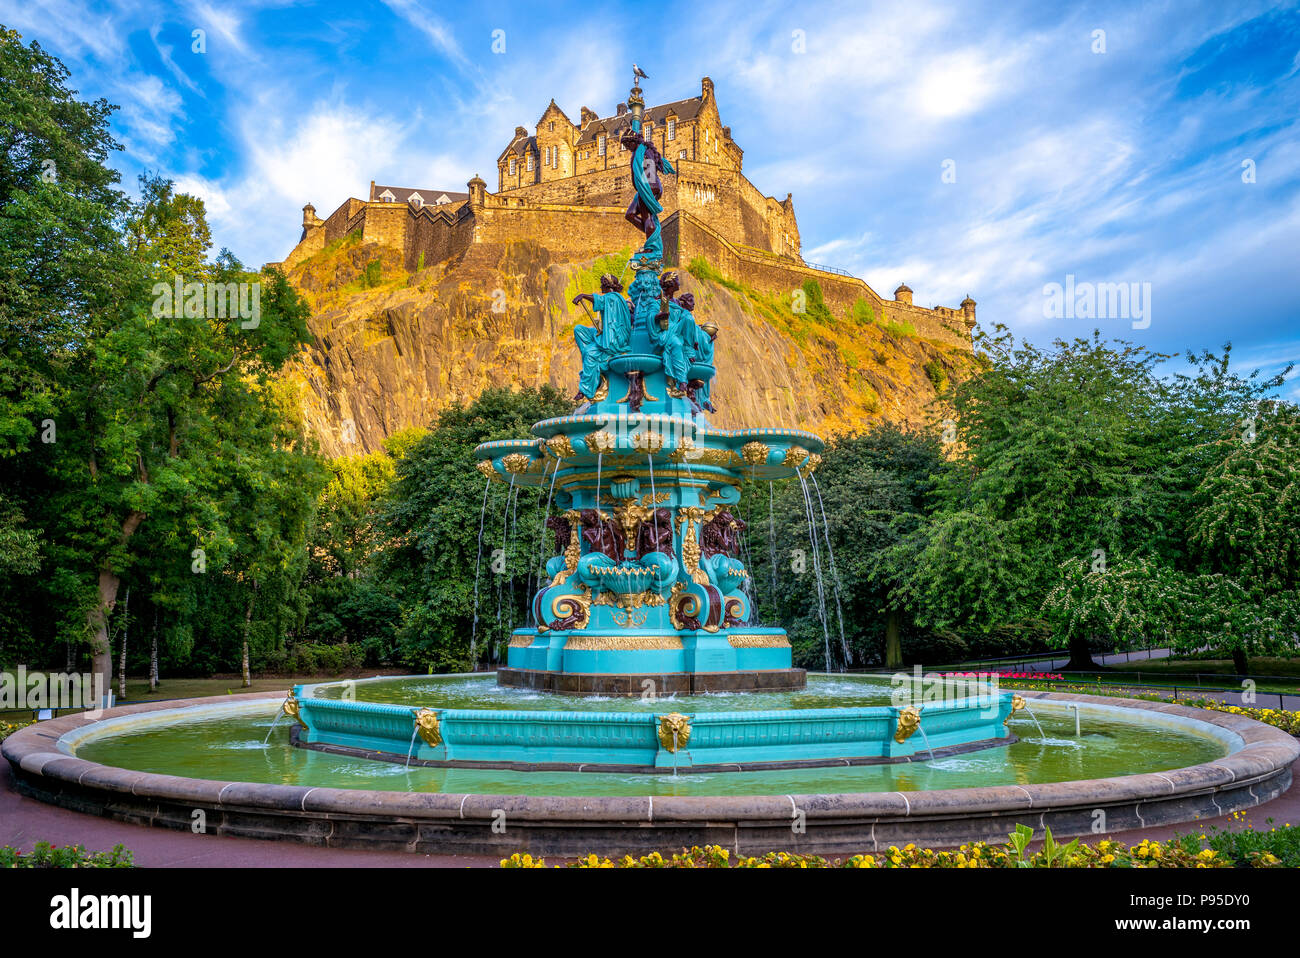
column 1256, row 770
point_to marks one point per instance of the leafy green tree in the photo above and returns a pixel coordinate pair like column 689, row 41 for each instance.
column 432, row 519
column 1245, row 529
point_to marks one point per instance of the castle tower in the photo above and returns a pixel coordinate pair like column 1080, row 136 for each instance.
column 903, row 294
column 477, row 192
column 968, row 311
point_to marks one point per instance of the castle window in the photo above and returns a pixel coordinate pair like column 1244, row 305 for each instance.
column 551, row 125
column 530, row 163
column 512, row 166
column 681, row 155
column 649, row 131
column 600, row 145
column 672, row 128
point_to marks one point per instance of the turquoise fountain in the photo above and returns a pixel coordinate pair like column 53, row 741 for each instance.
column 646, row 590
column 645, row 594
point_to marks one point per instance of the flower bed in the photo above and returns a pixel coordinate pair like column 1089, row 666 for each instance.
column 1275, row 848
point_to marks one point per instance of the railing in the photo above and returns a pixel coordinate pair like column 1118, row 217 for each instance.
column 829, row 269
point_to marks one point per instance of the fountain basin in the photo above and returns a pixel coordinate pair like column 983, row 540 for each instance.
column 657, row 738
column 339, row 802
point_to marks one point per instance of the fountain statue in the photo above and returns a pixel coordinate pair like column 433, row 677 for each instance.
column 646, row 590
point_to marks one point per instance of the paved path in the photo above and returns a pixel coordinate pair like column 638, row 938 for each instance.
column 24, row 821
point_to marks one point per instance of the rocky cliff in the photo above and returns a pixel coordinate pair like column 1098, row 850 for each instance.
column 393, row 348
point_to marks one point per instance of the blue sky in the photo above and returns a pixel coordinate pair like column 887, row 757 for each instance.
column 1127, row 165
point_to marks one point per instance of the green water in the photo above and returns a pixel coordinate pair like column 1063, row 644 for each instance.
column 230, row 749
column 482, row 692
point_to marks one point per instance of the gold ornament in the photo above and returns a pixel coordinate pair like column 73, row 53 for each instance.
column 516, row 462
column 602, row 391
column 755, row 453
column 674, row 731
column 648, row 442
column 909, row 720
column 572, row 552
column 291, row 709
column 562, row 606
column 795, row 455
column 758, row 641
column 622, row 643
column 1017, row 703
column 601, row 442
column 426, row 723
column 561, row 447
column 485, row 467
column 690, row 547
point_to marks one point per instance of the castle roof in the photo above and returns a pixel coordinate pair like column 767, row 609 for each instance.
column 615, row 126
column 519, row 146
column 405, row 194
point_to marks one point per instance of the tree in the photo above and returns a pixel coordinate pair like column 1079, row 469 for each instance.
column 1245, row 530
column 1119, row 601
column 432, row 519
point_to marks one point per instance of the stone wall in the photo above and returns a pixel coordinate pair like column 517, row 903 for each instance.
column 698, row 226
column 686, row 237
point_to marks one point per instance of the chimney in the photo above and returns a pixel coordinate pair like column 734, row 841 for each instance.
column 520, row 131
column 372, row 191
column 706, row 87
column 622, row 109
column 588, row 115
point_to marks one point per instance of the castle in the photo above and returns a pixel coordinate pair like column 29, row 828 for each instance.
column 565, row 185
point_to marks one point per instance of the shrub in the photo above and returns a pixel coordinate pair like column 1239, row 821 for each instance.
column 374, row 273
column 938, row 376
column 45, row 855
column 8, row 728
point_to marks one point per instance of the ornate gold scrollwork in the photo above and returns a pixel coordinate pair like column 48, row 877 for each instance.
column 573, row 552
column 909, row 720
column 813, row 462
column 630, row 619
column 602, row 391
column 690, row 604
column 426, row 723
column 521, row 641
column 563, row 606
column 292, row 709
column 486, row 468
column 674, row 731
column 758, row 641
column 690, row 546
column 561, row 447
column 755, row 453
column 1017, row 703
column 622, row 643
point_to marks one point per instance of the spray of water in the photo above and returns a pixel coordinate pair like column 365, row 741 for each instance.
column 478, row 562
column 817, row 569
column 835, row 575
